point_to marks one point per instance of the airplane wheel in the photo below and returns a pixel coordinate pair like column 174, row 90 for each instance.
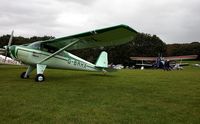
column 23, row 75
column 39, row 78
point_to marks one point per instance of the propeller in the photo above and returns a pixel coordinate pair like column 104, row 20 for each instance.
column 6, row 48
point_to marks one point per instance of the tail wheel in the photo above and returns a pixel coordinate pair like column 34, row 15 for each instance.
column 23, row 75
column 39, row 78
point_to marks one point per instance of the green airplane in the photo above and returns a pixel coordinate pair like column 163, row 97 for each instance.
column 53, row 53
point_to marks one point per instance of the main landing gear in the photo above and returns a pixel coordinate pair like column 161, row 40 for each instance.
column 39, row 78
column 24, row 76
column 40, row 70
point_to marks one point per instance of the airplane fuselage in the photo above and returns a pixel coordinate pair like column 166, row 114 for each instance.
column 64, row 60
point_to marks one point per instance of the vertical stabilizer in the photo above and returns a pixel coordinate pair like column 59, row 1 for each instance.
column 102, row 61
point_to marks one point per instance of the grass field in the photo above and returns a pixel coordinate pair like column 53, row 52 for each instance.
column 126, row 96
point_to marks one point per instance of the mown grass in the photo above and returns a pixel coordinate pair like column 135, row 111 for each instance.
column 126, row 96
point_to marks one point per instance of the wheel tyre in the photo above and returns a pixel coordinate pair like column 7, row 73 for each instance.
column 39, row 78
column 23, row 75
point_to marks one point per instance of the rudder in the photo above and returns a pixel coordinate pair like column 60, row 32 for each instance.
column 102, row 61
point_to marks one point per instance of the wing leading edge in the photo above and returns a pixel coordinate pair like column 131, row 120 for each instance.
column 111, row 36
column 186, row 57
column 144, row 58
column 170, row 58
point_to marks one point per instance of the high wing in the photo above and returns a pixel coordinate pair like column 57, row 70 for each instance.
column 144, row 58
column 181, row 57
column 111, row 36
column 170, row 58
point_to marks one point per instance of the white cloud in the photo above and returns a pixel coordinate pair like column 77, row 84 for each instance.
column 172, row 20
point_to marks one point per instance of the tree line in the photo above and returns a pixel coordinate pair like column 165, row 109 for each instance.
column 143, row 45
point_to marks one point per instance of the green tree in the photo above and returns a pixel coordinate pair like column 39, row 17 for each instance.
column 147, row 45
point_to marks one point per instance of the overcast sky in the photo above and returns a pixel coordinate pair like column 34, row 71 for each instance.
column 174, row 21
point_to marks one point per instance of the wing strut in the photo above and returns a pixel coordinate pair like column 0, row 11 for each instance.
column 59, row 51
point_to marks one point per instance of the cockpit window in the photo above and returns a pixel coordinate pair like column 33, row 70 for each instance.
column 35, row 45
column 46, row 48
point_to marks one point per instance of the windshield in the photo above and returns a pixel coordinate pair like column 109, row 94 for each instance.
column 45, row 48
column 35, row 45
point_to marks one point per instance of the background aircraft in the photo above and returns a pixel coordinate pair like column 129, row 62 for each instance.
column 159, row 62
column 53, row 53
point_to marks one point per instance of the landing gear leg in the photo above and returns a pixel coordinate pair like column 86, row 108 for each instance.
column 104, row 71
column 40, row 70
column 26, row 74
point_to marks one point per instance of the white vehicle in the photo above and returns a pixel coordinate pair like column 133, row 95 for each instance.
column 119, row 66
